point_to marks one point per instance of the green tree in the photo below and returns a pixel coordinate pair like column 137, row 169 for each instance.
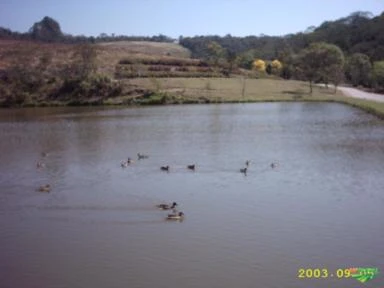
column 231, row 59
column 378, row 74
column 245, row 60
column 47, row 29
column 215, row 52
column 359, row 69
column 321, row 62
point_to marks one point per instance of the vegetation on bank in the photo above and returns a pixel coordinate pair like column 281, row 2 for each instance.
column 33, row 76
column 239, row 90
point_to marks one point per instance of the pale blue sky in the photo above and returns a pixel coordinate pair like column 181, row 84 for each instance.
column 181, row 17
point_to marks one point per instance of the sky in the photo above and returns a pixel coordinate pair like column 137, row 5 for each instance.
column 181, row 17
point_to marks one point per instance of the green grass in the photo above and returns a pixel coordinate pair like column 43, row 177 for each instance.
column 238, row 90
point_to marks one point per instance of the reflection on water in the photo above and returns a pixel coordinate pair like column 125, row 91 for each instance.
column 322, row 207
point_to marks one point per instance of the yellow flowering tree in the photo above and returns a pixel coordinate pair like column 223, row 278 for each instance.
column 259, row 65
column 276, row 66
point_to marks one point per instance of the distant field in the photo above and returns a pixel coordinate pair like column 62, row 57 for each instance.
column 230, row 89
column 12, row 51
column 217, row 90
column 148, row 48
column 108, row 54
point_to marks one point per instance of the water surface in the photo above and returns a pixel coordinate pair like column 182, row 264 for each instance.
column 322, row 207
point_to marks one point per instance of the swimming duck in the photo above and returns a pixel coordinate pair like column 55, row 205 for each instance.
column 167, row 206
column 125, row 164
column 191, row 167
column 164, row 168
column 142, row 156
column 247, row 163
column 45, row 188
column 274, row 165
column 40, row 164
column 244, row 170
column 176, row 216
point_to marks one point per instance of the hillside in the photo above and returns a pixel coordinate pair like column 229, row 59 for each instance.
column 38, row 73
column 357, row 32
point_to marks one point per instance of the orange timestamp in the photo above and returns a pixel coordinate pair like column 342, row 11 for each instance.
column 322, row 273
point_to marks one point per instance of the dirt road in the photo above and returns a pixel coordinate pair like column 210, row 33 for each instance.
column 353, row 92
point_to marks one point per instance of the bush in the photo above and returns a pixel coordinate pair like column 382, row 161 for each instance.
column 93, row 86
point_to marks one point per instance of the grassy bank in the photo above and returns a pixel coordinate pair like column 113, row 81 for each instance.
column 40, row 74
column 238, row 90
column 163, row 91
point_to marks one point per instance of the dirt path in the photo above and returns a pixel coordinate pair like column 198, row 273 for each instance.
column 353, row 92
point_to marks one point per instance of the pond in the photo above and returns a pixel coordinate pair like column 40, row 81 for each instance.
column 321, row 206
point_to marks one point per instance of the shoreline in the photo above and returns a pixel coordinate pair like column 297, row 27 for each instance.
column 367, row 106
column 183, row 91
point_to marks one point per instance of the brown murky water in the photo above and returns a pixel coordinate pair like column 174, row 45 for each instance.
column 322, row 207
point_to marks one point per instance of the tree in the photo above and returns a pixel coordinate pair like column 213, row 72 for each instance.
column 321, row 62
column 259, row 65
column 231, row 58
column 378, row 74
column 47, row 29
column 276, row 67
column 336, row 74
column 215, row 52
column 245, row 60
column 359, row 70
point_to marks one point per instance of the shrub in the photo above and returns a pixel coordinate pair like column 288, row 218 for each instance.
column 259, row 65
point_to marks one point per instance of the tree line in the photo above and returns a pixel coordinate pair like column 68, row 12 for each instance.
column 357, row 33
column 48, row 30
column 349, row 49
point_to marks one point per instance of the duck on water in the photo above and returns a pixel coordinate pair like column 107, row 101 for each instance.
column 167, row 206
column 176, row 216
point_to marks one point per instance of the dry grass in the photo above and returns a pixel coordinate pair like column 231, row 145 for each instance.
column 219, row 90
column 231, row 89
column 148, row 48
column 111, row 53
column 12, row 51
column 108, row 54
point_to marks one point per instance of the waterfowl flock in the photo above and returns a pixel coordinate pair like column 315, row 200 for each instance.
column 191, row 167
column 175, row 215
